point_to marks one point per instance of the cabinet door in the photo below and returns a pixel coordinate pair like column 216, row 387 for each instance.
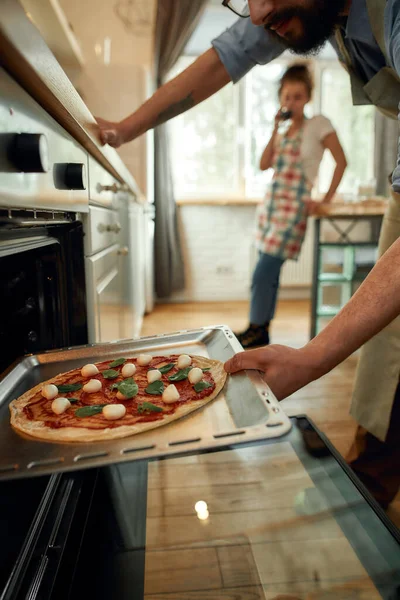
column 104, row 295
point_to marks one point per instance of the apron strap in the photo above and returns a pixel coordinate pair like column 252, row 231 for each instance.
column 376, row 13
column 344, row 53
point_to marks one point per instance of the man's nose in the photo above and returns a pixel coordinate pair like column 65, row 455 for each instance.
column 260, row 11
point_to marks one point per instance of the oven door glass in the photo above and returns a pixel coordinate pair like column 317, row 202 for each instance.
column 247, row 521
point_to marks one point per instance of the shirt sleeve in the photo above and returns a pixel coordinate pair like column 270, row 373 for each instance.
column 392, row 31
column 325, row 127
column 243, row 46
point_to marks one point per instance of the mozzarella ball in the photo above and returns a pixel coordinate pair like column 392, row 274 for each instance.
column 170, row 394
column 121, row 396
column 144, row 359
column 195, row 375
column 112, row 412
column 89, row 370
column 92, row 386
column 60, row 405
column 49, row 391
column 153, row 375
column 128, row 370
column 184, row 361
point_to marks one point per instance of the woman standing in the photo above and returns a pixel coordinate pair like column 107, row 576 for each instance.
column 295, row 157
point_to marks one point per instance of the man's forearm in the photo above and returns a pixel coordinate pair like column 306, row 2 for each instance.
column 198, row 82
column 375, row 304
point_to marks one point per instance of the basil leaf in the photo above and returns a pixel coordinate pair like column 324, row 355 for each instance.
column 129, row 389
column 117, row 384
column 156, row 388
column 202, row 385
column 206, row 369
column 166, row 368
column 89, row 411
column 149, row 406
column 180, row 375
column 69, row 387
column 110, row 374
column 118, row 362
column 72, row 400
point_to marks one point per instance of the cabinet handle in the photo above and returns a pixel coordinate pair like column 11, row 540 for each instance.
column 124, row 251
column 114, row 188
column 114, row 228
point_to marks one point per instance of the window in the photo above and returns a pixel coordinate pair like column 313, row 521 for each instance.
column 205, row 148
column 355, row 127
column 216, row 146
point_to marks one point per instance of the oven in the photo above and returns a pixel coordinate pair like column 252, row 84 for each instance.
column 43, row 195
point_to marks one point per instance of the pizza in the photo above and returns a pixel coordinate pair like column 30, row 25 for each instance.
column 117, row 398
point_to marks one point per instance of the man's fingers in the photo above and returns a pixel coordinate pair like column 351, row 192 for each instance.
column 108, row 136
column 252, row 359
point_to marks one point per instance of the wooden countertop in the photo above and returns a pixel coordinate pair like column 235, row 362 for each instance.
column 371, row 207
column 374, row 206
column 25, row 55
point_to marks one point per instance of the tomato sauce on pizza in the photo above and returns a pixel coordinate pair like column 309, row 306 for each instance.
column 40, row 408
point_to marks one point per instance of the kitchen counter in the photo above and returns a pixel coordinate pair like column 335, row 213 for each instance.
column 373, row 206
column 25, row 55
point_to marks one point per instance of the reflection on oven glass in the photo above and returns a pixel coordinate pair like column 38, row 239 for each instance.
column 268, row 530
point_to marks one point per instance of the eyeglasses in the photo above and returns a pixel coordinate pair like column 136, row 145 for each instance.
column 239, row 7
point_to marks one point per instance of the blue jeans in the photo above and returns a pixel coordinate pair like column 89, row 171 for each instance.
column 264, row 288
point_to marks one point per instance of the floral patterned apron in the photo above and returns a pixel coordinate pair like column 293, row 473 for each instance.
column 282, row 216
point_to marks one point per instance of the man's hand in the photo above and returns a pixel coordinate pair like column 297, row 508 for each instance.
column 285, row 369
column 110, row 133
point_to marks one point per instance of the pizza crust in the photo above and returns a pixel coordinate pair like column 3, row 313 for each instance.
column 39, row 430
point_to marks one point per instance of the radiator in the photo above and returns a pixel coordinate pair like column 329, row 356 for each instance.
column 295, row 273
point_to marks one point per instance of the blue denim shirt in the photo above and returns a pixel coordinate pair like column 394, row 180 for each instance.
column 244, row 45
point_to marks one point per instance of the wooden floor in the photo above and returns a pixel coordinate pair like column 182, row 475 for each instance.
column 325, row 401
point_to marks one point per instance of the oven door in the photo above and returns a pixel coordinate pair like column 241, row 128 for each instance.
column 42, row 524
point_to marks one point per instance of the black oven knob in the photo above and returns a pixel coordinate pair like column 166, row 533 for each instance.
column 75, row 176
column 29, row 152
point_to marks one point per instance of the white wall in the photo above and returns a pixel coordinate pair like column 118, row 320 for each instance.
column 114, row 89
column 219, row 254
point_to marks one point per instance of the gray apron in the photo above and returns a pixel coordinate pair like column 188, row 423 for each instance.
column 379, row 365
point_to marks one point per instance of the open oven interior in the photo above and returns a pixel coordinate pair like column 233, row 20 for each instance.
column 42, row 285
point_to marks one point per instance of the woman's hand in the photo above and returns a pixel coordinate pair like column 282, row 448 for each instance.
column 312, row 207
column 277, row 120
column 110, row 133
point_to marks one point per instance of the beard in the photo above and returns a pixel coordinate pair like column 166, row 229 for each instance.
column 318, row 22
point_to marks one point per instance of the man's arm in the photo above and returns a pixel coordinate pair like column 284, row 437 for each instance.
column 235, row 52
column 375, row 304
column 392, row 34
column 199, row 81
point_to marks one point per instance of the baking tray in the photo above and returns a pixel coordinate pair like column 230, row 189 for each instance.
column 245, row 410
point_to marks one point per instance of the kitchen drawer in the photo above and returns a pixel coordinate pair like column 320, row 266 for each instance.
column 101, row 229
column 103, row 187
column 104, row 295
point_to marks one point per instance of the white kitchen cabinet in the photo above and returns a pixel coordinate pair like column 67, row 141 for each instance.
column 104, row 282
